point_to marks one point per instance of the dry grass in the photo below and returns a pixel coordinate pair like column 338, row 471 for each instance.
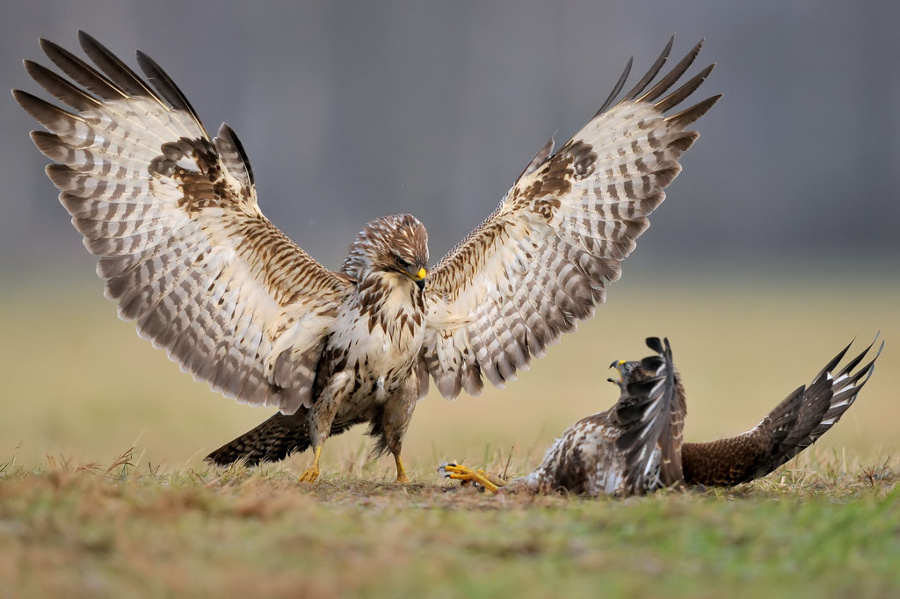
column 820, row 528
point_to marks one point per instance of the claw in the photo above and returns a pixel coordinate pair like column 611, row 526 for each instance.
column 312, row 473
column 466, row 474
column 309, row 475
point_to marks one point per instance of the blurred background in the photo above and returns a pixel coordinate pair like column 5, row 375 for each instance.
column 777, row 244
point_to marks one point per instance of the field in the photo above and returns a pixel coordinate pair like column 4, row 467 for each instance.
column 103, row 492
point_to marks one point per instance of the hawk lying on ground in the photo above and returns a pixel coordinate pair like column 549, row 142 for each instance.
column 190, row 257
column 636, row 446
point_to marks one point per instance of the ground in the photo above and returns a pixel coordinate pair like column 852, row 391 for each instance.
column 820, row 528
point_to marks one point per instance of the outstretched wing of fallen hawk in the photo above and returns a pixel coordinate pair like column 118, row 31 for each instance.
column 542, row 260
column 792, row 426
column 184, row 247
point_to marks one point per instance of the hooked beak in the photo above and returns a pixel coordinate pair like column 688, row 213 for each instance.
column 618, row 364
column 419, row 277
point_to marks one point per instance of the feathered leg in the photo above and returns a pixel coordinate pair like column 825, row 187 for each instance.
column 391, row 427
column 321, row 417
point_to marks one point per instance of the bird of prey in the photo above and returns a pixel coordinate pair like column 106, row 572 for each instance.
column 636, row 446
column 185, row 249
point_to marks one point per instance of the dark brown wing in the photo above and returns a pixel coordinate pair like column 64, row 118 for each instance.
column 795, row 424
column 742, row 458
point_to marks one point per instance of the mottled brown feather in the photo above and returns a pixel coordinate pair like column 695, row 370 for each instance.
column 172, row 214
column 632, row 448
column 635, row 446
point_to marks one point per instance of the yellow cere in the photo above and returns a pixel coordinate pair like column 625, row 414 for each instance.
column 421, row 274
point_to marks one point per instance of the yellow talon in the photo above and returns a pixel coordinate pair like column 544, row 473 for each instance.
column 312, row 473
column 466, row 474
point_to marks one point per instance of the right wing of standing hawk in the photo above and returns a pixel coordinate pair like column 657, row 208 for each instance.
column 183, row 245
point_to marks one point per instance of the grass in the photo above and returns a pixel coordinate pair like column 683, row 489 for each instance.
column 80, row 519
column 816, row 529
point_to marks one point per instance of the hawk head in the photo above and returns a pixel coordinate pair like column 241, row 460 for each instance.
column 395, row 244
column 635, row 372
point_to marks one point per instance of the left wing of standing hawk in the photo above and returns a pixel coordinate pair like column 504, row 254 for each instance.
column 542, row 260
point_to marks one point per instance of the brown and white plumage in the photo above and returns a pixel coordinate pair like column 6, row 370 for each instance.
column 542, row 260
column 172, row 213
column 184, row 247
column 629, row 449
column 636, row 446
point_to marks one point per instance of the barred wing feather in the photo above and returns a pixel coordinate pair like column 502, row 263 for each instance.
column 542, row 260
column 173, row 215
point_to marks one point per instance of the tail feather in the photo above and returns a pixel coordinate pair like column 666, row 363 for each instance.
column 271, row 441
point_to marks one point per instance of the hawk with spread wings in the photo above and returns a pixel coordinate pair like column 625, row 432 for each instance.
column 189, row 256
column 637, row 446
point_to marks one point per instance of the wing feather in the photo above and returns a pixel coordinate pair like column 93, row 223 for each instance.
column 542, row 260
column 173, row 216
column 643, row 416
column 645, row 80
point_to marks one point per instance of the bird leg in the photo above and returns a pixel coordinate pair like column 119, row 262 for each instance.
column 312, row 472
column 398, row 411
column 320, row 418
column 463, row 473
column 402, row 477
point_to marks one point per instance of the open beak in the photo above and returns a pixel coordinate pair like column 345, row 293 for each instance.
column 618, row 377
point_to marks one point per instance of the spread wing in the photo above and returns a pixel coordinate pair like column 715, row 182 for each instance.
column 542, row 260
column 824, row 402
column 184, row 247
column 792, row 426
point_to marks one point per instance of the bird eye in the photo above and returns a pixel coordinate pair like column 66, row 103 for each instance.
column 402, row 263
